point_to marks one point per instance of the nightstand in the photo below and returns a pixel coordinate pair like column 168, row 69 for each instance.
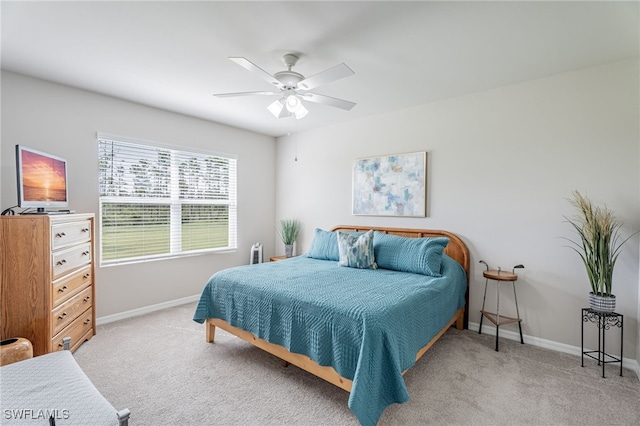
column 277, row 258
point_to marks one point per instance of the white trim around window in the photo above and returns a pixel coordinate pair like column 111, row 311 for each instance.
column 159, row 202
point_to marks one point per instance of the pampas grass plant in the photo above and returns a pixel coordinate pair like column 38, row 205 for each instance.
column 288, row 230
column 599, row 244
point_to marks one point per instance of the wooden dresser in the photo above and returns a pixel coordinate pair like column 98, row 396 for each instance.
column 47, row 279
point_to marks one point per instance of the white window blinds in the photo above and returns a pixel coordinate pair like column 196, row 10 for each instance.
column 158, row 202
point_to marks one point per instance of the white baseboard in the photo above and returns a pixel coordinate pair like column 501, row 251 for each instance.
column 547, row 344
column 146, row 310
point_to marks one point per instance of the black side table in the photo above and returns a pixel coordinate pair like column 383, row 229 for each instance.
column 604, row 321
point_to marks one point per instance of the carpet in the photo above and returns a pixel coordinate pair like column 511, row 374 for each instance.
column 160, row 367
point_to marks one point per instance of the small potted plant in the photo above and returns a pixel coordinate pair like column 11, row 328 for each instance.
column 288, row 231
column 599, row 246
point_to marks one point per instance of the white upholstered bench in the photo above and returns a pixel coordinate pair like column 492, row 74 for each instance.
column 53, row 389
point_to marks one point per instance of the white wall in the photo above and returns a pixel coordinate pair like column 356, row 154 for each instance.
column 501, row 164
column 63, row 121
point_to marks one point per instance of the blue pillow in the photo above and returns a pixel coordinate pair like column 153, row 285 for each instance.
column 356, row 251
column 416, row 255
column 324, row 246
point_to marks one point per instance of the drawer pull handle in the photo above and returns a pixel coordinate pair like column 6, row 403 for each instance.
column 85, row 229
column 61, row 262
column 87, row 321
column 86, row 299
column 62, row 289
column 85, row 276
column 60, row 234
column 64, row 314
column 85, row 253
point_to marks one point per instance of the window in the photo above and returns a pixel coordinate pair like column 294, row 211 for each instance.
column 158, row 202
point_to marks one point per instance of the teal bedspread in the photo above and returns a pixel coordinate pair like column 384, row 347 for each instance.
column 367, row 324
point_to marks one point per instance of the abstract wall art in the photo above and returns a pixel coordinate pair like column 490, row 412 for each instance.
column 391, row 185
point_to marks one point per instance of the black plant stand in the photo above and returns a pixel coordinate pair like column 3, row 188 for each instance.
column 604, row 321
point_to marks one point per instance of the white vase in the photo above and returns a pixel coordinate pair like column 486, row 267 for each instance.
column 601, row 303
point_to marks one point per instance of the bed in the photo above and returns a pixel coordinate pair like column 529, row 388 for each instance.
column 358, row 327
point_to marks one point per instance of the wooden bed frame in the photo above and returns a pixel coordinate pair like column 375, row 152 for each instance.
column 456, row 249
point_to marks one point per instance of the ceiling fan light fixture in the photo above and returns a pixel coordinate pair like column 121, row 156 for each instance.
column 278, row 110
column 293, row 103
column 281, row 108
column 301, row 112
column 289, row 82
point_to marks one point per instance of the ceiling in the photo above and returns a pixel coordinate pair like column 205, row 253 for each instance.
column 173, row 55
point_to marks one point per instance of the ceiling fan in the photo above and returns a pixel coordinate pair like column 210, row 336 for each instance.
column 294, row 87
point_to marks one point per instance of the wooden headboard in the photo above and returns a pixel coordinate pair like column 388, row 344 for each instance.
column 456, row 249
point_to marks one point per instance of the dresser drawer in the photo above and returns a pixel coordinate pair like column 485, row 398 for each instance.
column 79, row 330
column 69, row 259
column 62, row 315
column 64, row 234
column 66, row 286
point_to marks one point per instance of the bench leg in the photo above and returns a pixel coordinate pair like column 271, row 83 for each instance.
column 123, row 417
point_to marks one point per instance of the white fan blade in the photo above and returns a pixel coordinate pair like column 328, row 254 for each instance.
column 326, row 76
column 248, row 65
column 229, row 95
column 328, row 100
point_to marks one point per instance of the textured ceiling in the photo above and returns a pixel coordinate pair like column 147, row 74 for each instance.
column 173, row 55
